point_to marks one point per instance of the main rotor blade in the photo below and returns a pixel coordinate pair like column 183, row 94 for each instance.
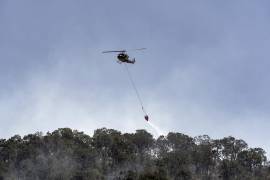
column 122, row 51
column 113, row 51
column 139, row 49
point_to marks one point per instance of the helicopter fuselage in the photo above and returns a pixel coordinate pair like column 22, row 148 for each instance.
column 124, row 58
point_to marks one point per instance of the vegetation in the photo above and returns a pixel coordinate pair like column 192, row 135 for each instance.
column 69, row 154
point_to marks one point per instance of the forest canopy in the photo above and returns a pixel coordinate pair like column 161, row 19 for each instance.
column 110, row 154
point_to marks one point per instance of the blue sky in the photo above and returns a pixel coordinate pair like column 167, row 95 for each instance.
column 205, row 70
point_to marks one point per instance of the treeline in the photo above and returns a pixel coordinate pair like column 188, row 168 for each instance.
column 69, row 154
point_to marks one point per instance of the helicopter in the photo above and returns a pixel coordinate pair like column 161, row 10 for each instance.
column 123, row 56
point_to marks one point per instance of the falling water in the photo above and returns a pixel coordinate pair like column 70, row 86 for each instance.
column 156, row 128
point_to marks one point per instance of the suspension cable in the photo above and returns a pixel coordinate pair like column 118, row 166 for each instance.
column 135, row 89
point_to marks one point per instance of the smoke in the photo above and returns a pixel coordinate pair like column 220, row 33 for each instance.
column 54, row 165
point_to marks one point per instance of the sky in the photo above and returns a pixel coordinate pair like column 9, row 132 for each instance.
column 205, row 70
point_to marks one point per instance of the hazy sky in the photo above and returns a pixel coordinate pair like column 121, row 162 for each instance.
column 205, row 71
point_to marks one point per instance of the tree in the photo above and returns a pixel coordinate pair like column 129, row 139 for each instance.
column 232, row 147
column 109, row 154
column 203, row 157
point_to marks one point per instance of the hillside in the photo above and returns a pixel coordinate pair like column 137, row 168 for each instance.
column 109, row 154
